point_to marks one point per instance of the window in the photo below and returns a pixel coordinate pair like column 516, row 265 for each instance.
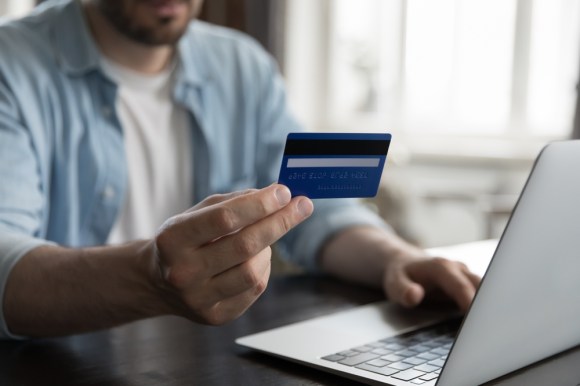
column 15, row 8
column 482, row 68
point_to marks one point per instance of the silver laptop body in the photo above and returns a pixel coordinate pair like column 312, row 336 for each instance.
column 526, row 309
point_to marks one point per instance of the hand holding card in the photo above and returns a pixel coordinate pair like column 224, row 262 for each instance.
column 334, row 165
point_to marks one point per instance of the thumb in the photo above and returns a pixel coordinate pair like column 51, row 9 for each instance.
column 401, row 289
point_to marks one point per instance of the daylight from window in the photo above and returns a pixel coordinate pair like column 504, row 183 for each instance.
column 485, row 68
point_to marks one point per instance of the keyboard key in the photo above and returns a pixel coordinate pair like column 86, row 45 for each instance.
column 334, row 357
column 378, row 362
column 358, row 359
column 395, row 346
column 407, row 375
column 392, row 358
column 428, row 356
column 406, row 353
column 440, row 351
column 400, row 366
column 414, row 361
column 437, row 362
column 432, row 344
column 363, row 348
column 445, row 340
column 378, row 370
column 427, row 368
column 382, row 351
column 348, row 353
column 376, row 344
column 420, row 348
column 418, row 381
column 428, row 377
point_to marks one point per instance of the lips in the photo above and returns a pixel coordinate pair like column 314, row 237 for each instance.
column 167, row 8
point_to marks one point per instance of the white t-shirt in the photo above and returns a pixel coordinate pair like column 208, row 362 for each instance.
column 158, row 147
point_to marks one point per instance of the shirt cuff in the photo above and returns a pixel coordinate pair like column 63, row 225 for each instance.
column 327, row 221
column 12, row 247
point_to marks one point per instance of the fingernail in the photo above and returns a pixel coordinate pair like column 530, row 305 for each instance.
column 305, row 207
column 283, row 195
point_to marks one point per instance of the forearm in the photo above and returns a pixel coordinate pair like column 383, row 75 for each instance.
column 58, row 291
column 361, row 254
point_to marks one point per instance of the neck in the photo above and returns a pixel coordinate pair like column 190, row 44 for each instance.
column 124, row 51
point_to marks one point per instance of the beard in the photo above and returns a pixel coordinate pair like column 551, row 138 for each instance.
column 142, row 25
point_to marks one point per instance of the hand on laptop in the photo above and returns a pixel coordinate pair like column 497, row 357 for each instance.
column 406, row 273
column 409, row 281
column 214, row 259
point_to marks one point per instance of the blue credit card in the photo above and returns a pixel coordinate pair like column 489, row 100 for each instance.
column 334, row 165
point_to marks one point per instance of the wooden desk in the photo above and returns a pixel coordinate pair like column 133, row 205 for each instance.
column 171, row 351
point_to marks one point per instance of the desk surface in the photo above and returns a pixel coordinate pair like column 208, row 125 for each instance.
column 171, row 351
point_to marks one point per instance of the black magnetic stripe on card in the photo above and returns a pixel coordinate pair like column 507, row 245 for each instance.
column 336, row 147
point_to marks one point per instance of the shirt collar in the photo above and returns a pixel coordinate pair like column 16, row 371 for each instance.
column 76, row 50
column 194, row 57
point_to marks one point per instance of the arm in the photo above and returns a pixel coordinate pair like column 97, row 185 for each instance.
column 208, row 264
column 379, row 258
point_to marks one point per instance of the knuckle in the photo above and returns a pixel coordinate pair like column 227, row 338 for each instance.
column 443, row 263
column 163, row 239
column 224, row 218
column 462, row 266
column 285, row 224
column 245, row 246
column 249, row 276
column 175, row 278
column 180, row 276
column 262, row 207
column 213, row 199
column 261, row 287
column 212, row 316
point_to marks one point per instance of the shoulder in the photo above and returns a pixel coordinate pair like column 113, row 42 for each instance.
column 27, row 42
column 226, row 49
column 223, row 37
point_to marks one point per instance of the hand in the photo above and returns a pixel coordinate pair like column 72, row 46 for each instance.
column 409, row 281
column 214, row 259
column 372, row 256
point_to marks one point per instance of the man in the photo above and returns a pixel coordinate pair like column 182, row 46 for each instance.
column 118, row 114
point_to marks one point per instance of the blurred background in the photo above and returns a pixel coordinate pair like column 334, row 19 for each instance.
column 470, row 89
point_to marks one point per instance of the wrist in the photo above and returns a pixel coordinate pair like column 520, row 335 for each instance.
column 159, row 294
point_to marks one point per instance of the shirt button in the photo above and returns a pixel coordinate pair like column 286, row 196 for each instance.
column 108, row 193
column 107, row 111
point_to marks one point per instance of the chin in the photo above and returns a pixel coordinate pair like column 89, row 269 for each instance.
column 149, row 22
column 159, row 31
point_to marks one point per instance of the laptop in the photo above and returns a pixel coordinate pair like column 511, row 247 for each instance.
column 527, row 307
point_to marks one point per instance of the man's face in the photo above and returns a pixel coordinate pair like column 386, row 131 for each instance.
column 150, row 22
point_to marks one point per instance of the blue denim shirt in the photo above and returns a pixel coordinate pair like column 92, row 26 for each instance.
column 63, row 171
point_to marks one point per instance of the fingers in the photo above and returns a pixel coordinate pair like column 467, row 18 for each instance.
column 451, row 278
column 218, row 198
column 251, row 274
column 225, row 217
column 232, row 308
column 237, row 248
column 473, row 278
column 228, row 295
column 409, row 283
column 401, row 289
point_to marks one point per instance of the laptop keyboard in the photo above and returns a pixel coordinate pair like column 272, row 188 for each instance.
column 417, row 356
